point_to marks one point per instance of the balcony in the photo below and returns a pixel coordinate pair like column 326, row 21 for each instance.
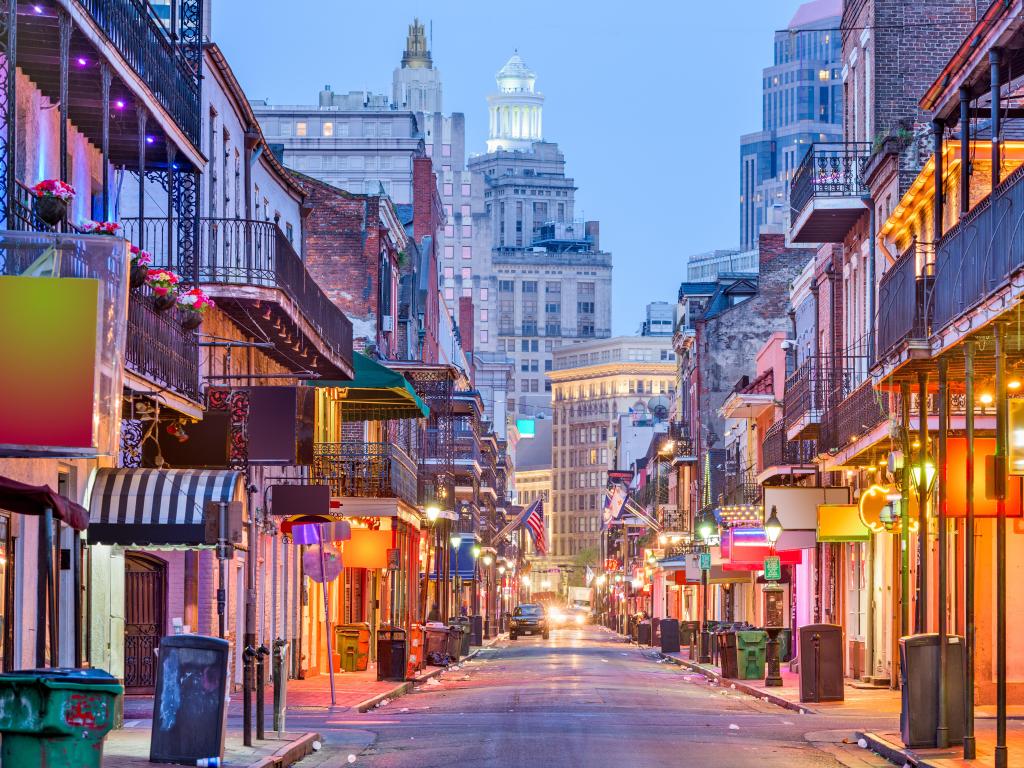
column 857, row 410
column 804, row 400
column 750, row 399
column 159, row 350
column 976, row 258
column 905, row 302
column 779, row 454
column 741, row 488
column 827, row 193
column 366, row 471
column 254, row 274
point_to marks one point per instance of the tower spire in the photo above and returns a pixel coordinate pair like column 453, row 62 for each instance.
column 417, row 54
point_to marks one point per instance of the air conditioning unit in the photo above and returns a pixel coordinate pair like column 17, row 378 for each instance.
column 387, row 323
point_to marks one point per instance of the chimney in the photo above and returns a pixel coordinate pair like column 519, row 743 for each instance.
column 593, row 230
column 326, row 97
column 466, row 324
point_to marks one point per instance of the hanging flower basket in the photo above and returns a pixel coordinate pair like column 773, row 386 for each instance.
column 194, row 303
column 164, row 283
column 139, row 267
column 111, row 228
column 52, row 198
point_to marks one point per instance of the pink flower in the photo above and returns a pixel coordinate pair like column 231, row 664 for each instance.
column 195, row 300
column 55, row 188
column 162, row 281
column 140, row 258
column 100, row 227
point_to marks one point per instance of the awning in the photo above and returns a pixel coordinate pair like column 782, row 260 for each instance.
column 157, row 506
column 466, row 561
column 376, row 393
column 35, row 499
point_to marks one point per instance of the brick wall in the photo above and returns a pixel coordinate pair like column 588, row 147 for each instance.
column 428, row 219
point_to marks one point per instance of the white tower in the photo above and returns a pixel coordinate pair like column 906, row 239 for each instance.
column 416, row 85
column 515, row 109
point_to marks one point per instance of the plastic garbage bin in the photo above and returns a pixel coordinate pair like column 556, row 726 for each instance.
column 416, row 655
column 670, row 636
column 465, row 625
column 476, row 624
column 353, row 643
column 56, row 716
column 726, row 644
column 436, row 643
column 919, row 667
column 391, row 652
column 454, row 644
column 821, row 662
column 750, row 654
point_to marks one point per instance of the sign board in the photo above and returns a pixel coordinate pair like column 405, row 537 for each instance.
column 323, row 566
column 705, row 561
column 526, row 427
column 772, row 568
column 394, row 559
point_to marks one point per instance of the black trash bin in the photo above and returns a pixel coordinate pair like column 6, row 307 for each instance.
column 670, row 636
column 466, row 627
column 643, row 632
column 391, row 654
column 821, row 662
column 727, row 657
column 689, row 632
column 919, row 678
column 476, row 624
column 454, row 646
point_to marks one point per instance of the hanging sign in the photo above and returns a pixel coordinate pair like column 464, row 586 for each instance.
column 772, row 568
column 705, row 561
column 322, row 566
column 394, row 559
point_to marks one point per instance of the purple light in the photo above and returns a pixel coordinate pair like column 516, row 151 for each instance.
column 150, row 139
column 119, row 104
column 37, row 8
column 82, row 62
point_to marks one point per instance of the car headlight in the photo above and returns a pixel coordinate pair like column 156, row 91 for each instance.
column 579, row 618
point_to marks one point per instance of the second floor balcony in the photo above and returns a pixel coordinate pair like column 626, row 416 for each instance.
column 905, row 303
column 159, row 349
column 804, row 400
column 366, row 470
column 779, row 455
column 827, row 193
column 856, row 412
column 255, row 275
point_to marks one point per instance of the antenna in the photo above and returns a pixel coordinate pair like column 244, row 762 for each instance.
column 431, row 35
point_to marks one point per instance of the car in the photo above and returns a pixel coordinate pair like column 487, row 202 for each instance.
column 577, row 615
column 528, row 619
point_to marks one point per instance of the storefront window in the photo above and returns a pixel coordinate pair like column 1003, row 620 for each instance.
column 856, row 598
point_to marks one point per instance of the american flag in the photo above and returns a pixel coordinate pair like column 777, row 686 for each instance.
column 534, row 521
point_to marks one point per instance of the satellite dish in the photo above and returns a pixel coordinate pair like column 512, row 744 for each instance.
column 658, row 406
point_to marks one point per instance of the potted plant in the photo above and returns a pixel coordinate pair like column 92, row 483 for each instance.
column 110, row 228
column 164, row 283
column 194, row 302
column 139, row 267
column 52, row 198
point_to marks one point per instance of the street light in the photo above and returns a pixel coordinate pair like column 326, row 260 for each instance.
column 773, row 608
column 433, row 512
column 487, row 559
column 476, row 550
column 707, row 528
column 773, row 528
column 456, row 541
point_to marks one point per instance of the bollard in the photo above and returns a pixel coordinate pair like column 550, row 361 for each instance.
column 261, row 684
column 280, row 681
column 248, row 656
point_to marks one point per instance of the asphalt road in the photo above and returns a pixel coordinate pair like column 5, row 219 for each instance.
column 582, row 699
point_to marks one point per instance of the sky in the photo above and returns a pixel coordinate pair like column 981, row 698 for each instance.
column 647, row 100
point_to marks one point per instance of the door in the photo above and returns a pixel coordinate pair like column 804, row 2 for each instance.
column 145, row 592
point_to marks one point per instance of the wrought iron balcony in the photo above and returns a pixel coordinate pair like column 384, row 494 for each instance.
column 253, row 272
column 366, row 470
column 804, row 399
column 159, row 349
column 827, row 193
column 741, row 488
column 779, row 451
column 977, row 257
column 856, row 410
column 905, row 301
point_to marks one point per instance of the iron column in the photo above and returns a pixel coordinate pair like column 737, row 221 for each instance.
column 1000, row 483
column 970, row 748
column 942, row 727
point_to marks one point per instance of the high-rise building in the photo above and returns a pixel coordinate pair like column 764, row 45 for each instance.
column 705, row 267
column 416, row 85
column 547, row 281
column 801, row 103
column 593, row 385
column 660, row 321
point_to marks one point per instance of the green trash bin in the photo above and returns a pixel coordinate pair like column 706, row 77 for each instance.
column 750, row 654
column 56, row 716
column 353, row 646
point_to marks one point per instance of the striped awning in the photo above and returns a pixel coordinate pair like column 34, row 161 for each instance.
column 139, row 507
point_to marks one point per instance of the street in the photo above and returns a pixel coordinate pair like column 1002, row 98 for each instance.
column 583, row 698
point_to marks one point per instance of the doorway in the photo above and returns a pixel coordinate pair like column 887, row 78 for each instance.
column 145, row 591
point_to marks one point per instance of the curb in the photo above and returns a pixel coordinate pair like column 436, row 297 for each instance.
column 740, row 686
column 403, row 688
column 290, row 753
column 891, row 752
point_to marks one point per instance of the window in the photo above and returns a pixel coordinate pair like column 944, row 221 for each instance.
column 547, row 385
column 467, row 252
column 525, row 345
column 449, row 273
column 483, row 336
column 449, row 294
column 529, row 286
column 385, row 130
column 534, row 345
column 534, row 366
column 585, row 307
column 328, row 129
column 483, row 315
column 449, row 251
column 286, row 128
column 467, row 230
column 524, row 385
column 484, row 292
column 449, row 230
column 446, row 190
column 506, row 286
column 446, row 150
column 524, row 366
column 552, row 308
column 547, row 365
column 534, row 385
column 370, row 130
column 467, row 273
column 300, row 129
column 466, row 192
column 465, row 211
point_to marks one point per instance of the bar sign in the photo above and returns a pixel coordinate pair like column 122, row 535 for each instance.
column 705, row 561
column 772, row 568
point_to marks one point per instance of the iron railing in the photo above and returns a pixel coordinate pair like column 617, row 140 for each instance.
column 905, row 299
column 159, row 349
column 463, row 444
column 741, row 487
column 851, row 416
column 777, row 451
column 366, row 470
column 251, row 253
column 829, row 169
column 146, row 49
column 804, row 393
column 977, row 256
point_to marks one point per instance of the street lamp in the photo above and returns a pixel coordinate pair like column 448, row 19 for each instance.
column 772, row 527
column 707, row 528
column 487, row 559
column 774, row 613
column 433, row 512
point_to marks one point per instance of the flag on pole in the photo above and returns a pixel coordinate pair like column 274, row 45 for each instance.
column 614, row 500
column 589, row 575
column 534, row 521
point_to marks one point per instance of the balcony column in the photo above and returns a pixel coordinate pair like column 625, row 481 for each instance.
column 937, row 202
column 142, row 116
column 1000, row 489
column 64, row 30
column 942, row 727
column 905, row 512
column 105, row 78
column 993, row 59
column 965, row 152
column 172, row 153
column 970, row 748
column 8, row 110
column 921, row 625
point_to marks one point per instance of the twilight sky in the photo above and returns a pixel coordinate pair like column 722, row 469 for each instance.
column 646, row 99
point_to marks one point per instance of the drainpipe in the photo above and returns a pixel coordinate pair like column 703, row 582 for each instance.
column 993, row 58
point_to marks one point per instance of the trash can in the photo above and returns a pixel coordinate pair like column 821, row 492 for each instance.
column 919, row 665
column 454, row 644
column 670, row 635
column 56, row 716
column 476, row 623
column 821, row 662
column 643, row 632
column 353, row 646
column 750, row 654
column 726, row 644
column 436, row 643
column 391, row 653
column 465, row 625
column 785, row 645
column 416, row 655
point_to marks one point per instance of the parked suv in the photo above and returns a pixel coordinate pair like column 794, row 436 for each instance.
column 528, row 619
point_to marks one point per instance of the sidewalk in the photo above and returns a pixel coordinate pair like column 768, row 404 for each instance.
column 129, row 748
column 890, row 746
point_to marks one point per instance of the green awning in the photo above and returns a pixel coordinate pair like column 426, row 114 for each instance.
column 376, row 393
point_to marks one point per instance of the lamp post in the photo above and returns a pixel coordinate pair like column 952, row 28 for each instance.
column 774, row 611
column 707, row 529
column 456, row 542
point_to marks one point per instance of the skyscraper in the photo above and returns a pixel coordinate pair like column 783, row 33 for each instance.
column 802, row 102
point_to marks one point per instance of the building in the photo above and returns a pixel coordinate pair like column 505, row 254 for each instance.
column 704, row 267
column 594, row 385
column 801, row 104
column 660, row 319
column 416, row 85
column 533, row 469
